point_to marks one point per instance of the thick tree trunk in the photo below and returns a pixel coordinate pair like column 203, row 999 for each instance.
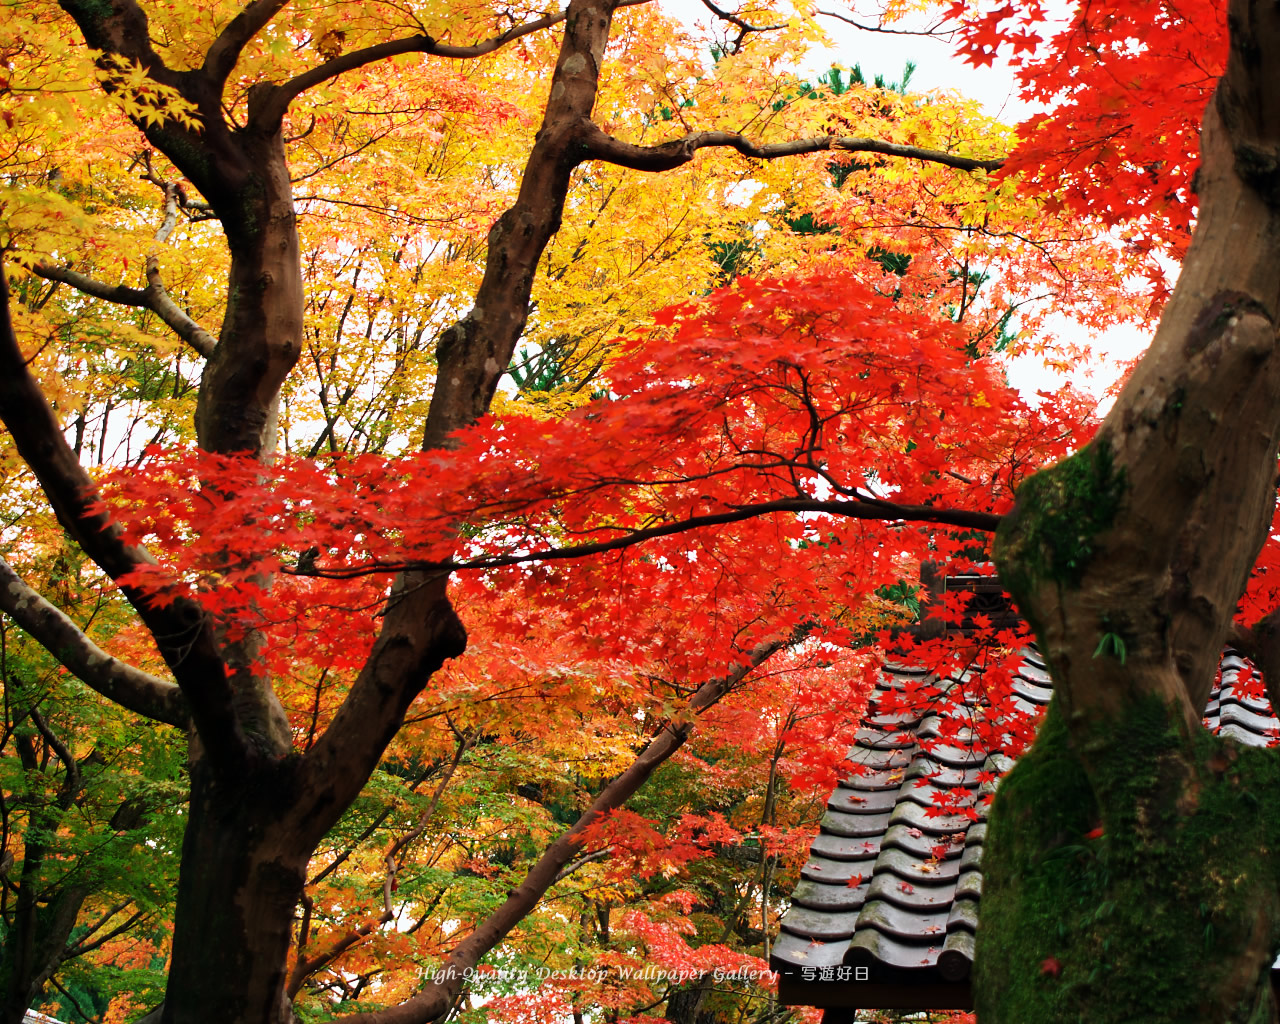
column 1128, row 559
column 242, row 875
column 687, row 1005
column 243, row 868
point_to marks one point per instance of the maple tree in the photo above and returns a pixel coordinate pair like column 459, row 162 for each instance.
column 666, row 548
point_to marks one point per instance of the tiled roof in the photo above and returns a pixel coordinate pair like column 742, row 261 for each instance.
column 886, row 909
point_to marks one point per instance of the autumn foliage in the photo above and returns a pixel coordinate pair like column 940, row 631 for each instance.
column 746, row 399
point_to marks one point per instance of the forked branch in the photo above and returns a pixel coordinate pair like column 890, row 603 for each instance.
column 221, row 57
column 273, row 105
column 155, row 296
column 745, row 28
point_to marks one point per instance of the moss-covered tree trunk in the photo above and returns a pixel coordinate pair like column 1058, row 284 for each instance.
column 1132, row 868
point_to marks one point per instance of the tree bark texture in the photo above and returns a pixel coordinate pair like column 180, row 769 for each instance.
column 1128, row 559
column 241, row 877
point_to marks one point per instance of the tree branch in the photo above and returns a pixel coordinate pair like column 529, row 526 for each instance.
column 437, row 996
column 885, row 511
column 276, row 102
column 99, row 923
column 71, row 999
column 158, row 298
column 155, row 296
column 71, row 952
column 116, row 680
column 420, row 630
column 936, row 32
column 181, row 628
column 71, row 783
column 270, row 109
column 733, row 19
column 582, row 862
column 120, row 294
column 307, row 966
column 663, row 157
column 221, row 57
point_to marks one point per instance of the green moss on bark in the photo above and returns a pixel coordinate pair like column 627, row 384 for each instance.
column 1152, row 919
column 1050, row 534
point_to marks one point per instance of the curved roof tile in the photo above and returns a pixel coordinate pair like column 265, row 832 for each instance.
column 910, row 915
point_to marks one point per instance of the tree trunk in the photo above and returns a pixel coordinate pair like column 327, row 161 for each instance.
column 243, row 869
column 242, row 876
column 1133, row 867
column 261, row 336
column 32, row 950
column 687, row 1005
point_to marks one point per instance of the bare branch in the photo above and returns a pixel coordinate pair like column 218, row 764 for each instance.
column 120, row 294
column 307, row 966
column 71, row 952
column 875, row 509
column 101, row 922
column 272, row 104
column 71, row 784
column 394, row 855
column 71, row 999
column 583, row 861
column 116, row 680
column 935, row 31
column 663, row 157
column 158, row 300
column 154, row 297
